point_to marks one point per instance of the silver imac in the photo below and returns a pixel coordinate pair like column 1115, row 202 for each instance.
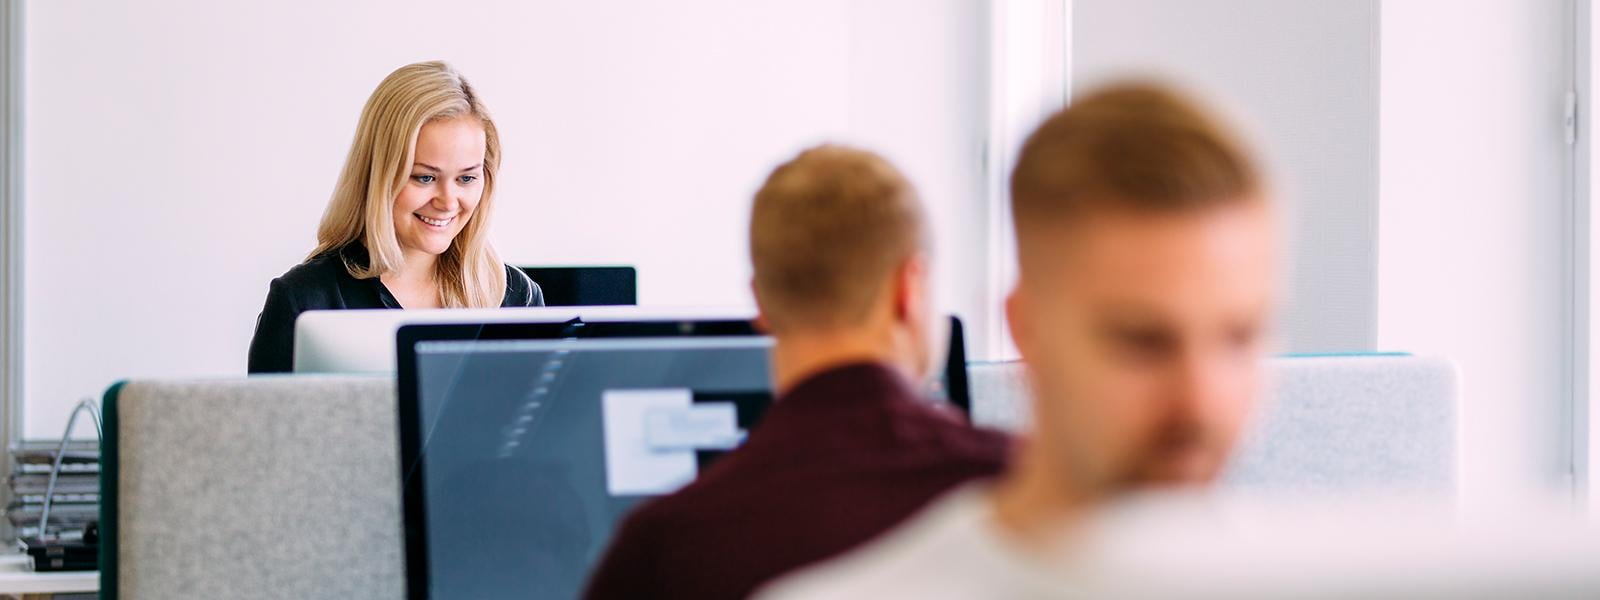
column 362, row 341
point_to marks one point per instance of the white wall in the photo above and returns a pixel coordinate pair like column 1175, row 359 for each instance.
column 917, row 94
column 180, row 152
column 1301, row 77
column 1473, row 223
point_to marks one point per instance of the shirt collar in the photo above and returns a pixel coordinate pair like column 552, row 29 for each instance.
column 855, row 382
column 355, row 253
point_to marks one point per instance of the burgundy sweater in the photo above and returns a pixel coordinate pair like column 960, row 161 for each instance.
column 842, row 457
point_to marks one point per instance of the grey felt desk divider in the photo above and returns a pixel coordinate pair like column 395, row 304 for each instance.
column 267, row 487
column 288, row 486
column 1326, row 423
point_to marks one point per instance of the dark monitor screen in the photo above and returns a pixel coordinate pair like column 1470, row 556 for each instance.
column 586, row 286
column 522, row 446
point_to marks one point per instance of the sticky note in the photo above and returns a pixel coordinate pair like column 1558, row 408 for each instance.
column 704, row 426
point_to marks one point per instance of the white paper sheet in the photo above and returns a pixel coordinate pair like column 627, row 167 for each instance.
column 632, row 467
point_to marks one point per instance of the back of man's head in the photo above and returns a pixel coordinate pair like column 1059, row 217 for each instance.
column 1146, row 248
column 827, row 233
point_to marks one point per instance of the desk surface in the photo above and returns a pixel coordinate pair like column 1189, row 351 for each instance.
column 16, row 579
column 65, row 582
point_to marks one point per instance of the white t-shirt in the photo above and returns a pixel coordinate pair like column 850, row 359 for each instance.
column 1203, row 546
column 951, row 549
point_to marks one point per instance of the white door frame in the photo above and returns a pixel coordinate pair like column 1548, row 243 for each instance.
column 1585, row 304
column 1029, row 79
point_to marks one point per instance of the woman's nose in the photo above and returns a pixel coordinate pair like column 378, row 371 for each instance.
column 448, row 198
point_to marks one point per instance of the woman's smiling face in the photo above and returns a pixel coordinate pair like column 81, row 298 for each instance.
column 445, row 185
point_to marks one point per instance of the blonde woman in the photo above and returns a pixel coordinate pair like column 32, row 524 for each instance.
column 408, row 223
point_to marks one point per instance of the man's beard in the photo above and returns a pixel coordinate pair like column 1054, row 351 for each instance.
column 1179, row 455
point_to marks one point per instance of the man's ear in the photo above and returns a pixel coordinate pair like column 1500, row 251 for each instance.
column 760, row 323
column 911, row 291
column 1017, row 321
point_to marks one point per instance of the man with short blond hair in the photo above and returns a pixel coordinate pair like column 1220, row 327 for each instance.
column 1147, row 250
column 827, row 231
column 838, row 242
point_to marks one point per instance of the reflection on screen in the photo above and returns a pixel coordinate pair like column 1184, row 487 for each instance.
column 534, row 449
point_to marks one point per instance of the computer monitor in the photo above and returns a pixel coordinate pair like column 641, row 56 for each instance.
column 586, row 286
column 522, row 445
column 955, row 386
column 362, row 341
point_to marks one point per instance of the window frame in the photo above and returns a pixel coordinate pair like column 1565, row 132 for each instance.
column 11, row 221
column 1584, row 385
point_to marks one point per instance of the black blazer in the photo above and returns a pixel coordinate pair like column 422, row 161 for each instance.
column 323, row 283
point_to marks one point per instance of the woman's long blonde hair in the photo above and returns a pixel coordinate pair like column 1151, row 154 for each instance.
column 470, row 274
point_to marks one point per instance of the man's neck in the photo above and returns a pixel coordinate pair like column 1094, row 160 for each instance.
column 1032, row 506
column 797, row 357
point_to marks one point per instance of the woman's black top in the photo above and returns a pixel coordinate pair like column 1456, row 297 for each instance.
column 323, row 283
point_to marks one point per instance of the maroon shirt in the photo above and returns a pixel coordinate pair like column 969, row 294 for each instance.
column 842, row 457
